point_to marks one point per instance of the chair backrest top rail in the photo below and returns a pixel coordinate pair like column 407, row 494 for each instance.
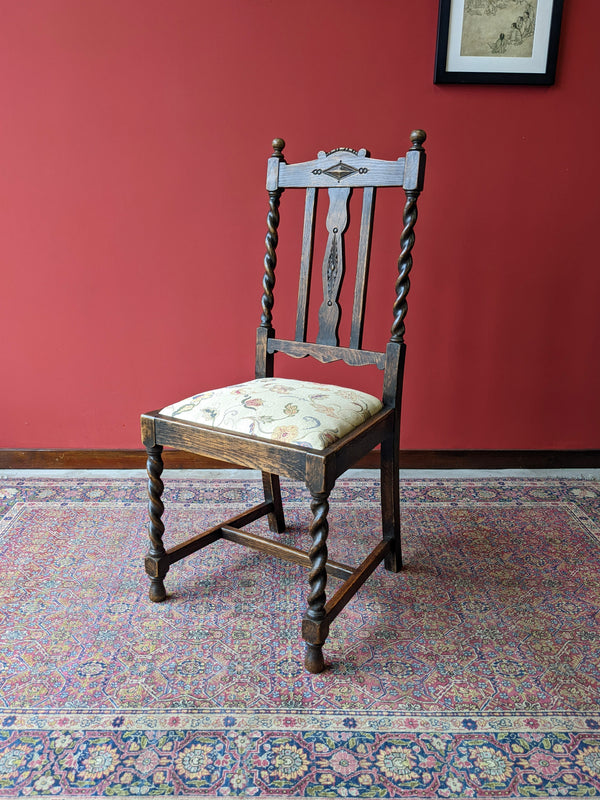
column 338, row 169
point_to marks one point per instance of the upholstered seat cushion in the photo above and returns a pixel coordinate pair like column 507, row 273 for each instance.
column 298, row 412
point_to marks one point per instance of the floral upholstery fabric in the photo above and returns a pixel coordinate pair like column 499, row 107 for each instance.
column 298, row 412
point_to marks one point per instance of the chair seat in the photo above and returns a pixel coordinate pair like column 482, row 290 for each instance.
column 297, row 412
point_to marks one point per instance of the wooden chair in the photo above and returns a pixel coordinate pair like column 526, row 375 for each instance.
column 230, row 424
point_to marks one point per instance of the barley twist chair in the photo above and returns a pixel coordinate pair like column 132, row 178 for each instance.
column 298, row 429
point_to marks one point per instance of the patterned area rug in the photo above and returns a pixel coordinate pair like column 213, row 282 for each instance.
column 473, row 673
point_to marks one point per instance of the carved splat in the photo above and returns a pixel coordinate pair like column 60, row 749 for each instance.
column 333, row 266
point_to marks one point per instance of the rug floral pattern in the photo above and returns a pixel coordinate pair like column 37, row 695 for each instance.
column 473, row 673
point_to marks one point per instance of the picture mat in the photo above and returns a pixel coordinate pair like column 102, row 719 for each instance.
column 518, row 64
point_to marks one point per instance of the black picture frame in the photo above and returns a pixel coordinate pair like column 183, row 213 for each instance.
column 500, row 66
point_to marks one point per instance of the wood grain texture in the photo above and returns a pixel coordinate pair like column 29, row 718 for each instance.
column 315, row 173
column 348, row 589
column 327, row 354
column 276, row 458
column 283, row 551
column 211, row 535
column 306, row 261
column 362, row 267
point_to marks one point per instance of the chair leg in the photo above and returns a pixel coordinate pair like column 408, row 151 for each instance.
column 155, row 564
column 390, row 504
column 314, row 627
column 273, row 495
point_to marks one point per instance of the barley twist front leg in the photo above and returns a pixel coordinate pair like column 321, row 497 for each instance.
column 156, row 564
column 314, row 627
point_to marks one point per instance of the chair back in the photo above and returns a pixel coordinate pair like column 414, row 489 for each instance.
column 341, row 172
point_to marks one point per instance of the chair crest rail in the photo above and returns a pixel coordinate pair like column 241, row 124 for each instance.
column 340, row 168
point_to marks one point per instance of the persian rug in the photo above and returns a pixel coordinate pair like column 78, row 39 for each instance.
column 475, row 672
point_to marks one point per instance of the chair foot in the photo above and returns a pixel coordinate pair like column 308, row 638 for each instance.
column 393, row 558
column 393, row 562
column 157, row 592
column 313, row 661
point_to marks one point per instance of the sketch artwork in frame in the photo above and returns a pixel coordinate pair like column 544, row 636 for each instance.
column 498, row 41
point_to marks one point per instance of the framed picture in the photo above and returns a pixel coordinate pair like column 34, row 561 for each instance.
column 497, row 41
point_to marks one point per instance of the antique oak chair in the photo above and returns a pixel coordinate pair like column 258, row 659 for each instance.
column 299, row 429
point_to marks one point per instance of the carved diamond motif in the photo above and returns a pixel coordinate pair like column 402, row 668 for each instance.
column 340, row 171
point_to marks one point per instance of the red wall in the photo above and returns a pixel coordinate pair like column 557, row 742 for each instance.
column 133, row 142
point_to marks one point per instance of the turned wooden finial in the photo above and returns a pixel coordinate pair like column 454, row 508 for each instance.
column 278, row 145
column 417, row 138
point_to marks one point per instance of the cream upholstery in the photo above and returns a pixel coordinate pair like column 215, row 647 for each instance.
column 298, row 412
